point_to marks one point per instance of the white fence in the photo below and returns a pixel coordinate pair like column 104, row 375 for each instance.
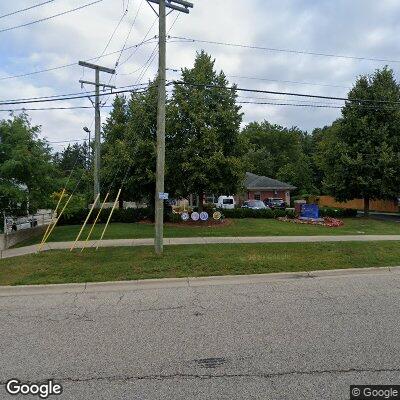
column 13, row 224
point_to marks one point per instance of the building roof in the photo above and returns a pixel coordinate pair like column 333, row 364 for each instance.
column 257, row 182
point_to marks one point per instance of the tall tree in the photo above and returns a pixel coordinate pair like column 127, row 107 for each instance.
column 279, row 153
column 203, row 142
column 129, row 146
column 27, row 175
column 360, row 156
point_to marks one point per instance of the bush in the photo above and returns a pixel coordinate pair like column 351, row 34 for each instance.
column 129, row 215
column 249, row 213
column 337, row 212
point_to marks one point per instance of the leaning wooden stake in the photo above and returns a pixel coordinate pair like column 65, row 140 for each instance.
column 95, row 222
column 86, row 221
column 55, row 212
column 55, row 223
column 109, row 218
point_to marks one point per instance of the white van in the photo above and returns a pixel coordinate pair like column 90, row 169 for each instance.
column 226, row 202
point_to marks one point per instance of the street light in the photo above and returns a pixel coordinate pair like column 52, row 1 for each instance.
column 87, row 130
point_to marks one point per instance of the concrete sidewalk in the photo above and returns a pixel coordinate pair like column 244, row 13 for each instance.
column 21, row 251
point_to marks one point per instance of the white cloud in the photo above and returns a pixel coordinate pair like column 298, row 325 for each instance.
column 361, row 27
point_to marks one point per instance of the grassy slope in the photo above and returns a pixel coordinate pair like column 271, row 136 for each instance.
column 237, row 227
column 181, row 261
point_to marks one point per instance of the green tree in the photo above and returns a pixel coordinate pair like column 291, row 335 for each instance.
column 73, row 165
column 204, row 148
column 279, row 153
column 360, row 155
column 129, row 146
column 27, row 175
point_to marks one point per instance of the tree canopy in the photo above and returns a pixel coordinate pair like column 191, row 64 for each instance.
column 360, row 154
column 26, row 171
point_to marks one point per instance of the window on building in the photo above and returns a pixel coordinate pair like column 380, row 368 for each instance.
column 257, row 196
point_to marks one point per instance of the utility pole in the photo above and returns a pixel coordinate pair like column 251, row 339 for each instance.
column 97, row 121
column 160, row 196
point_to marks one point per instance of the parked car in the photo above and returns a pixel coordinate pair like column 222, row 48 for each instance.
column 227, row 202
column 254, row 205
column 274, row 203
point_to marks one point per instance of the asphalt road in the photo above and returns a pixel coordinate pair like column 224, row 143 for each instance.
column 308, row 338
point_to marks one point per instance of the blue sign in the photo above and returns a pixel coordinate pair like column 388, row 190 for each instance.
column 310, row 211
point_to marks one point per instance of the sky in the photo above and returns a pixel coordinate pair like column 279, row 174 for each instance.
column 357, row 28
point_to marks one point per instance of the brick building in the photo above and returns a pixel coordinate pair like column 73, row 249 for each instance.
column 261, row 188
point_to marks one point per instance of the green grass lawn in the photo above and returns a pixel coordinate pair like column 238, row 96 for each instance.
column 236, row 227
column 116, row 264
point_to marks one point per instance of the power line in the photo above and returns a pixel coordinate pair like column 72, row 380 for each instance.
column 273, row 49
column 50, row 17
column 88, row 94
column 276, row 80
column 288, row 93
column 115, row 31
column 74, row 63
column 70, row 98
column 26, row 9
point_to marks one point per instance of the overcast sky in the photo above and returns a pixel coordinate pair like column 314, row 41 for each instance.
column 361, row 28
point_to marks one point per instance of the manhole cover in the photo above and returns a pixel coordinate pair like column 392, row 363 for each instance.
column 210, row 362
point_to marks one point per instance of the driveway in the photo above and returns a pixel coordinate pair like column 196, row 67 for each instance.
column 303, row 338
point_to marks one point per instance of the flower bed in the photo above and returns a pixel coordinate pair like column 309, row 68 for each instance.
column 327, row 221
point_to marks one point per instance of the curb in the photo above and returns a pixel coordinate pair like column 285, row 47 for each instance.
column 167, row 283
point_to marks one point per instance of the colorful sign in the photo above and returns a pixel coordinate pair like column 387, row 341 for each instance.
column 204, row 216
column 217, row 215
column 185, row 216
column 195, row 216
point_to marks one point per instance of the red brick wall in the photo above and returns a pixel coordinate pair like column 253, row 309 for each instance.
column 266, row 194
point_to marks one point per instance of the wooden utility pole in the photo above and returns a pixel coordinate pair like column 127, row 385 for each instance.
column 160, row 196
column 97, row 122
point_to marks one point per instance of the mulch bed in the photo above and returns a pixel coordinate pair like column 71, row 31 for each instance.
column 327, row 221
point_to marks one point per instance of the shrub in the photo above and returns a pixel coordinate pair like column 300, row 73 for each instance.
column 128, row 215
column 337, row 212
column 249, row 213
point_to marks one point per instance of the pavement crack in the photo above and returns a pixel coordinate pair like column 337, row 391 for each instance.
column 260, row 375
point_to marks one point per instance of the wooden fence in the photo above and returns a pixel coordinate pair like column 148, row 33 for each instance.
column 374, row 205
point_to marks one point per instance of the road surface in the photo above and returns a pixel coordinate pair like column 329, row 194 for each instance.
column 305, row 338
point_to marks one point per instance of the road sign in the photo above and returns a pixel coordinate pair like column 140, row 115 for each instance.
column 163, row 196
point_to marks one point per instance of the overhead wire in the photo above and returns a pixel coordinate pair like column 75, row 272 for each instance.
column 273, row 49
column 50, row 17
column 27, row 8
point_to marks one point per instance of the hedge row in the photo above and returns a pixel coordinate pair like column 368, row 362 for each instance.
column 132, row 215
column 337, row 212
column 129, row 215
column 249, row 213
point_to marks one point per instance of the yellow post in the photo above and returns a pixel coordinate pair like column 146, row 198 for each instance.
column 109, row 217
column 55, row 211
column 95, row 221
column 86, row 220
column 55, row 223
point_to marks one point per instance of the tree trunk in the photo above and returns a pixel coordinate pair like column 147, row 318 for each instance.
column 120, row 202
column 200, row 200
column 366, row 206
